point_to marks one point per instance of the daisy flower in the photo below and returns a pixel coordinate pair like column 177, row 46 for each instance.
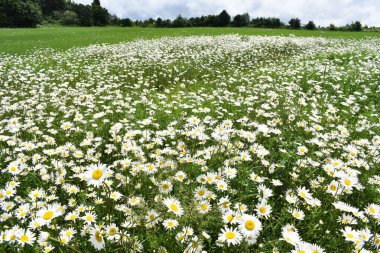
column 89, row 217
column 152, row 217
column 26, row 237
column 302, row 150
column 230, row 236
column 298, row 214
column 373, row 210
column 204, row 207
column 95, row 174
column 200, row 193
column 350, row 234
column 47, row 214
column 249, row 225
column 174, row 206
column 112, row 231
column 96, row 238
column 170, row 224
column 263, row 210
column 290, row 235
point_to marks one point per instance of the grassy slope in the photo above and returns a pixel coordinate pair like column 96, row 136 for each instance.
column 21, row 40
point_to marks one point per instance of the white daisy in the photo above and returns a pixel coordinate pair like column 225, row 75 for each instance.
column 230, row 236
column 249, row 225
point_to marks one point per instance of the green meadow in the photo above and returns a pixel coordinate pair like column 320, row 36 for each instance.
column 21, row 41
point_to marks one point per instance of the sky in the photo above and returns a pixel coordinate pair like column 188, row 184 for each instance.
column 322, row 12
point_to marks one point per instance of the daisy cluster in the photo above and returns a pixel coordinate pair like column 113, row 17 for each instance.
column 194, row 144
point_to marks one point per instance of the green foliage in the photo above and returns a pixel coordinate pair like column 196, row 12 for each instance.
column 310, row 26
column 241, row 20
column 179, row 22
column 295, row 23
column 48, row 6
column 223, row 19
column 100, row 15
column 84, row 14
column 267, row 22
column 357, row 26
column 19, row 13
column 332, row 27
column 70, row 18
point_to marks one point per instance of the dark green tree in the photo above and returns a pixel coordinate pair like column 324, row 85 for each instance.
column 223, row 19
column 100, row 15
column 310, row 26
column 241, row 20
column 179, row 21
column 158, row 22
column 211, row 20
column 19, row 13
column 357, row 26
column 295, row 23
column 126, row 22
column 48, row 6
column 70, row 18
column 267, row 22
column 84, row 14
column 332, row 27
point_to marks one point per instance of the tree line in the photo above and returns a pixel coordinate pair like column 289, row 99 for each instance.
column 30, row 13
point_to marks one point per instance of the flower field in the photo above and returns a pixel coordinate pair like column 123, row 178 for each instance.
column 192, row 144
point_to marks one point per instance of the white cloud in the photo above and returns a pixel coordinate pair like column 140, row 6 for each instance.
column 322, row 12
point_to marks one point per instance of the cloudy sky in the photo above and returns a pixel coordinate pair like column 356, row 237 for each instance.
column 322, row 12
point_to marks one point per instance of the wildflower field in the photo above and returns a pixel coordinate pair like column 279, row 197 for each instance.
column 192, row 144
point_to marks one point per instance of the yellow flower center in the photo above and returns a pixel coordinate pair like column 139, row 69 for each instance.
column 347, row 181
column 201, row 192
column 98, row 173
column 350, row 235
column 250, row 225
column 230, row 235
column 263, row 210
column 170, row 224
column 333, row 187
column 48, row 215
column 112, row 231
column 174, row 207
column 98, row 236
column 24, row 238
column 372, row 210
